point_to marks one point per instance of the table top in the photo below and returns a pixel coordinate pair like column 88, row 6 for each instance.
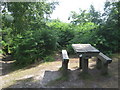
column 84, row 48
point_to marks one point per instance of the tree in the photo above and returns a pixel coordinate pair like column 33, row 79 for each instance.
column 109, row 30
column 28, row 34
column 94, row 16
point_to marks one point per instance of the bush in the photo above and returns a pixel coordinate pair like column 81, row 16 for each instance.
column 33, row 47
column 48, row 59
column 65, row 36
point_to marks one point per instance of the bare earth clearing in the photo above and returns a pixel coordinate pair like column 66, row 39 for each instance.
column 42, row 75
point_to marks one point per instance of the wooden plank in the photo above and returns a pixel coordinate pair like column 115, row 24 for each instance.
column 79, row 47
column 65, row 61
column 84, row 48
column 104, row 58
column 92, row 49
column 65, row 54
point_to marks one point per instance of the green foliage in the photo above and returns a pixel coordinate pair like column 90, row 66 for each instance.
column 34, row 47
column 70, row 49
column 48, row 59
column 25, row 33
column 65, row 37
column 109, row 31
column 104, row 32
column 64, row 32
column 28, row 34
column 6, row 40
column 84, row 33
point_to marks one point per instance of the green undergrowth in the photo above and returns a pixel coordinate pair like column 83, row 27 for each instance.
column 47, row 59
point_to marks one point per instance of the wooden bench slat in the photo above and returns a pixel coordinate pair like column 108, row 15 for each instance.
column 65, row 61
column 104, row 58
column 64, row 54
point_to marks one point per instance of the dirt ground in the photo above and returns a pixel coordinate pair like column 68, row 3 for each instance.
column 46, row 75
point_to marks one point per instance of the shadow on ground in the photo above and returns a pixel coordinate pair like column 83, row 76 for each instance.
column 32, row 82
column 7, row 65
column 52, row 79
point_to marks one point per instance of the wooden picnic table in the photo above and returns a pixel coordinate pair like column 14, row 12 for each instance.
column 85, row 51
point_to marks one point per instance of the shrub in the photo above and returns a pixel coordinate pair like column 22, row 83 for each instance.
column 36, row 46
column 48, row 58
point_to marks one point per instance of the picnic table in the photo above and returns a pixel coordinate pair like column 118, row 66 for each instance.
column 85, row 51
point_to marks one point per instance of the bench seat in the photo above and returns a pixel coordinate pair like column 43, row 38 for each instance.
column 65, row 55
column 102, row 63
column 65, row 60
column 104, row 58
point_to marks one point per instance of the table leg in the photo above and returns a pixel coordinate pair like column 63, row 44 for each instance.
column 99, row 64
column 80, row 62
column 85, row 65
